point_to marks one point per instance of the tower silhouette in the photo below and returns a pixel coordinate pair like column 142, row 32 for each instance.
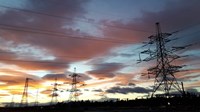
column 164, row 70
column 24, row 100
column 74, row 91
column 54, row 94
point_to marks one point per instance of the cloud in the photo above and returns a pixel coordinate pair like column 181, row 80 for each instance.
column 126, row 79
column 28, row 61
column 13, row 77
column 48, row 92
column 2, row 95
column 16, row 92
column 59, row 77
column 105, row 70
column 97, row 90
column 53, row 45
column 66, row 50
column 37, row 65
column 63, row 49
column 131, row 84
column 126, row 90
column 175, row 15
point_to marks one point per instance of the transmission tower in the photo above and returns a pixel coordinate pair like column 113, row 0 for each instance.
column 164, row 70
column 74, row 91
column 24, row 100
column 54, row 93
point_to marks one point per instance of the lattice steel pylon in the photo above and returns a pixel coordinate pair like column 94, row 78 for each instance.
column 54, row 92
column 24, row 100
column 74, row 92
column 164, row 71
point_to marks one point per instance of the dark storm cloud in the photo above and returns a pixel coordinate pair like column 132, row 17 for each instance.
column 105, row 70
column 126, row 90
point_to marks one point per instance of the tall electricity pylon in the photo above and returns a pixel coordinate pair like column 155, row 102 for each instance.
column 74, row 91
column 164, row 71
column 24, row 100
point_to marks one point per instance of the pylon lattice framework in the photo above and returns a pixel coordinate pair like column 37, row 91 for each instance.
column 54, row 92
column 74, row 90
column 24, row 100
column 164, row 70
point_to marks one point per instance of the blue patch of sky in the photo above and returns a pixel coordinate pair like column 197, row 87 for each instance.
column 39, row 73
column 13, row 3
column 81, row 67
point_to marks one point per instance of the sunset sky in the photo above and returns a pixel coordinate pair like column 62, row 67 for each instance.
column 47, row 39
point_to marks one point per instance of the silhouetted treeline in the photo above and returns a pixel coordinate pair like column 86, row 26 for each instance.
column 188, row 103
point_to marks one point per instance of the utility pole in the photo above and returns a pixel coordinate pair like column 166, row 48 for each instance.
column 164, row 70
column 74, row 91
column 54, row 93
column 24, row 100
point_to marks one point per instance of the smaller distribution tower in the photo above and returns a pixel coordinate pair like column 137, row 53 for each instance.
column 24, row 100
column 74, row 91
column 54, row 94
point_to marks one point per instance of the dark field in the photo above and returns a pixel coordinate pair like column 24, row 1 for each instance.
column 159, row 104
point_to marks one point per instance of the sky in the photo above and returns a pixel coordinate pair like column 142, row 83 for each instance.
column 46, row 39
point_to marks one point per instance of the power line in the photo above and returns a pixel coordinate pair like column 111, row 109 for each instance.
column 21, row 54
column 56, row 62
column 87, row 20
column 76, row 19
column 29, row 61
column 30, row 30
column 187, row 27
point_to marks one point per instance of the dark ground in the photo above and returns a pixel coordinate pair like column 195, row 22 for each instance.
column 175, row 104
